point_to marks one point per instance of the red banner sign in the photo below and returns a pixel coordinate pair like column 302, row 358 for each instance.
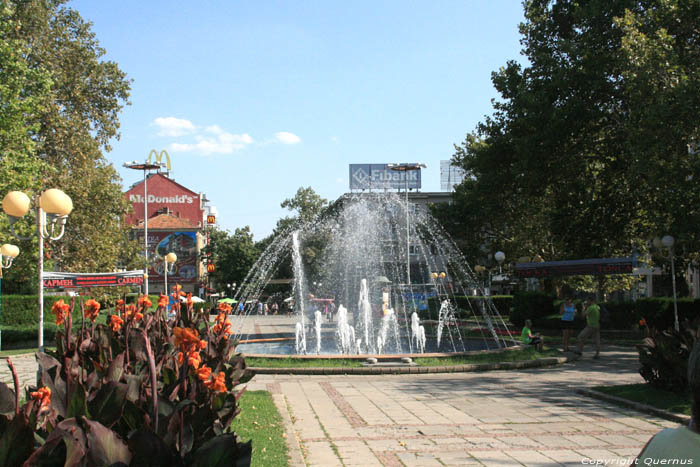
column 68, row 280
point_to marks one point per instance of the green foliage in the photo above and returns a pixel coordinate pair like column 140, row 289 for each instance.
column 650, row 395
column 233, row 255
column 663, row 356
column 585, row 139
column 531, row 305
column 126, row 392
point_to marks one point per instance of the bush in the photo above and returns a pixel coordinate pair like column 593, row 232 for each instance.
column 142, row 389
column 531, row 305
column 468, row 305
column 664, row 357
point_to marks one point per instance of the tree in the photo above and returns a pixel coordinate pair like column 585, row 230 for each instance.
column 70, row 123
column 233, row 255
column 568, row 165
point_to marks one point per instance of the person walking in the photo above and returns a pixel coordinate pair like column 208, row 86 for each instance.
column 567, row 310
column 591, row 312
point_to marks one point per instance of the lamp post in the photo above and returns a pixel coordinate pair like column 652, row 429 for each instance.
column 499, row 256
column 168, row 267
column 667, row 241
column 405, row 168
column 52, row 209
column 9, row 253
column 145, row 166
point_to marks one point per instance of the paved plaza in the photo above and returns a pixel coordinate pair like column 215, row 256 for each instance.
column 525, row 417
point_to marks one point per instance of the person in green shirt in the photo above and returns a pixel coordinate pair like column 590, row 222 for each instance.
column 591, row 312
column 529, row 338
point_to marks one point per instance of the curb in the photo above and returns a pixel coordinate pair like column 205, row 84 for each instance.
column 644, row 408
column 402, row 370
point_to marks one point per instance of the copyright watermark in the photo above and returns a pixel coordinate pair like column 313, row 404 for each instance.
column 622, row 461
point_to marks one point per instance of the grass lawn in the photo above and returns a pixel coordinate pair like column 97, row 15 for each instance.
column 12, row 352
column 647, row 394
column 260, row 422
column 505, row 356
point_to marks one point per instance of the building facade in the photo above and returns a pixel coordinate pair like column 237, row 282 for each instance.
column 176, row 222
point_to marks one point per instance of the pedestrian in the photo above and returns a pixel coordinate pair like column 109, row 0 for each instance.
column 528, row 338
column 266, row 309
column 260, row 308
column 591, row 312
column 680, row 445
column 275, row 308
column 567, row 311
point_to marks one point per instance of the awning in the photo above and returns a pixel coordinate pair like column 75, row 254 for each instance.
column 578, row 267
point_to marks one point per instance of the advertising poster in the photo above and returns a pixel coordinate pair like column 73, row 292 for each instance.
column 183, row 244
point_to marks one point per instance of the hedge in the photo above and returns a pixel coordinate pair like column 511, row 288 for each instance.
column 543, row 310
column 467, row 305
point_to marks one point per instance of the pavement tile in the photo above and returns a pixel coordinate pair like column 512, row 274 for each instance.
column 418, row 459
column 494, row 458
column 530, row 457
column 564, row 457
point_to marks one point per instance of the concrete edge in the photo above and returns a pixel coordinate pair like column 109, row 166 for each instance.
column 644, row 408
column 294, row 453
column 539, row 363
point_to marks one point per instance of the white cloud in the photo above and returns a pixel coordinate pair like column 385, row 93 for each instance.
column 172, row 126
column 221, row 143
column 285, row 137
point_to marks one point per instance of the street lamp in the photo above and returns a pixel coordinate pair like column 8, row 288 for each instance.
column 9, row 253
column 168, row 267
column 145, row 166
column 52, row 209
column 407, row 168
column 667, row 241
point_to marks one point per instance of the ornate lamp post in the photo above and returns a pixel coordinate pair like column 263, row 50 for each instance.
column 168, row 267
column 145, row 166
column 52, row 209
column 407, row 168
column 9, row 253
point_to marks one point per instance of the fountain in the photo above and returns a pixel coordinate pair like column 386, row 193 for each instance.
column 359, row 263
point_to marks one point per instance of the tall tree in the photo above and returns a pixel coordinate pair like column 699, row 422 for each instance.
column 70, row 130
column 575, row 162
column 233, row 255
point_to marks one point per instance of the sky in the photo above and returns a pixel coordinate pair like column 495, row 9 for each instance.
column 253, row 100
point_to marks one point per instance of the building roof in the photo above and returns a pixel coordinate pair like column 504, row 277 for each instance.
column 167, row 222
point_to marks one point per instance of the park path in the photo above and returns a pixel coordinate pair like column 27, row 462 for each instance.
column 500, row 418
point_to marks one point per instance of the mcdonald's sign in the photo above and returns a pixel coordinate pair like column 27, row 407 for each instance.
column 159, row 158
column 211, row 267
column 211, row 220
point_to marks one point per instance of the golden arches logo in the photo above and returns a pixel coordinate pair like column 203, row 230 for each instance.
column 159, row 158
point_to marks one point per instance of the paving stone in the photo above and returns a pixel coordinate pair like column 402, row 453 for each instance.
column 529, row 457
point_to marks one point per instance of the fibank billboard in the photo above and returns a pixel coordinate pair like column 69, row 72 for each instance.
column 380, row 176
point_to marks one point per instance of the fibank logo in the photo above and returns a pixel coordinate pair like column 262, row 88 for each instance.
column 360, row 176
column 181, row 199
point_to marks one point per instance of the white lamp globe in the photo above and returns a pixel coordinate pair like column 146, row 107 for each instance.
column 667, row 241
column 11, row 251
column 500, row 256
column 55, row 201
column 16, row 204
column 170, row 258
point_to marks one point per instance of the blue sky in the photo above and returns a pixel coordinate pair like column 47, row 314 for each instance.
column 255, row 99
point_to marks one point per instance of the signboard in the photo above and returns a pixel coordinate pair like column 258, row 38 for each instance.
column 183, row 244
column 580, row 267
column 380, row 176
column 211, row 219
column 70, row 280
column 159, row 158
column 211, row 267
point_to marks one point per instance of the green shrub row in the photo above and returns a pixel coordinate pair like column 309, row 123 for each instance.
column 18, row 334
column 468, row 305
column 543, row 310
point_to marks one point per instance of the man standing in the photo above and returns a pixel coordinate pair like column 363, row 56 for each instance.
column 591, row 312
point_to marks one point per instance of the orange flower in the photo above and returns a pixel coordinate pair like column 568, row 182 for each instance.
column 642, row 322
column 130, row 310
column 180, row 358
column 92, row 309
column 219, row 384
column 203, row 374
column 138, row 316
column 194, row 359
column 222, row 328
column 116, row 323
column 163, row 301
column 224, row 308
column 189, row 299
column 60, row 309
column 120, row 306
column 144, row 301
column 186, row 338
column 43, row 395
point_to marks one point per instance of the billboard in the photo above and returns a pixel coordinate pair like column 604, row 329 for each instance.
column 69, row 280
column 183, row 244
column 579, row 267
column 380, row 176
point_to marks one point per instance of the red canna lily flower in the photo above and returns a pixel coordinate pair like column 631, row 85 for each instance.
column 116, row 323
column 144, row 301
column 60, row 309
column 43, row 396
column 92, row 309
